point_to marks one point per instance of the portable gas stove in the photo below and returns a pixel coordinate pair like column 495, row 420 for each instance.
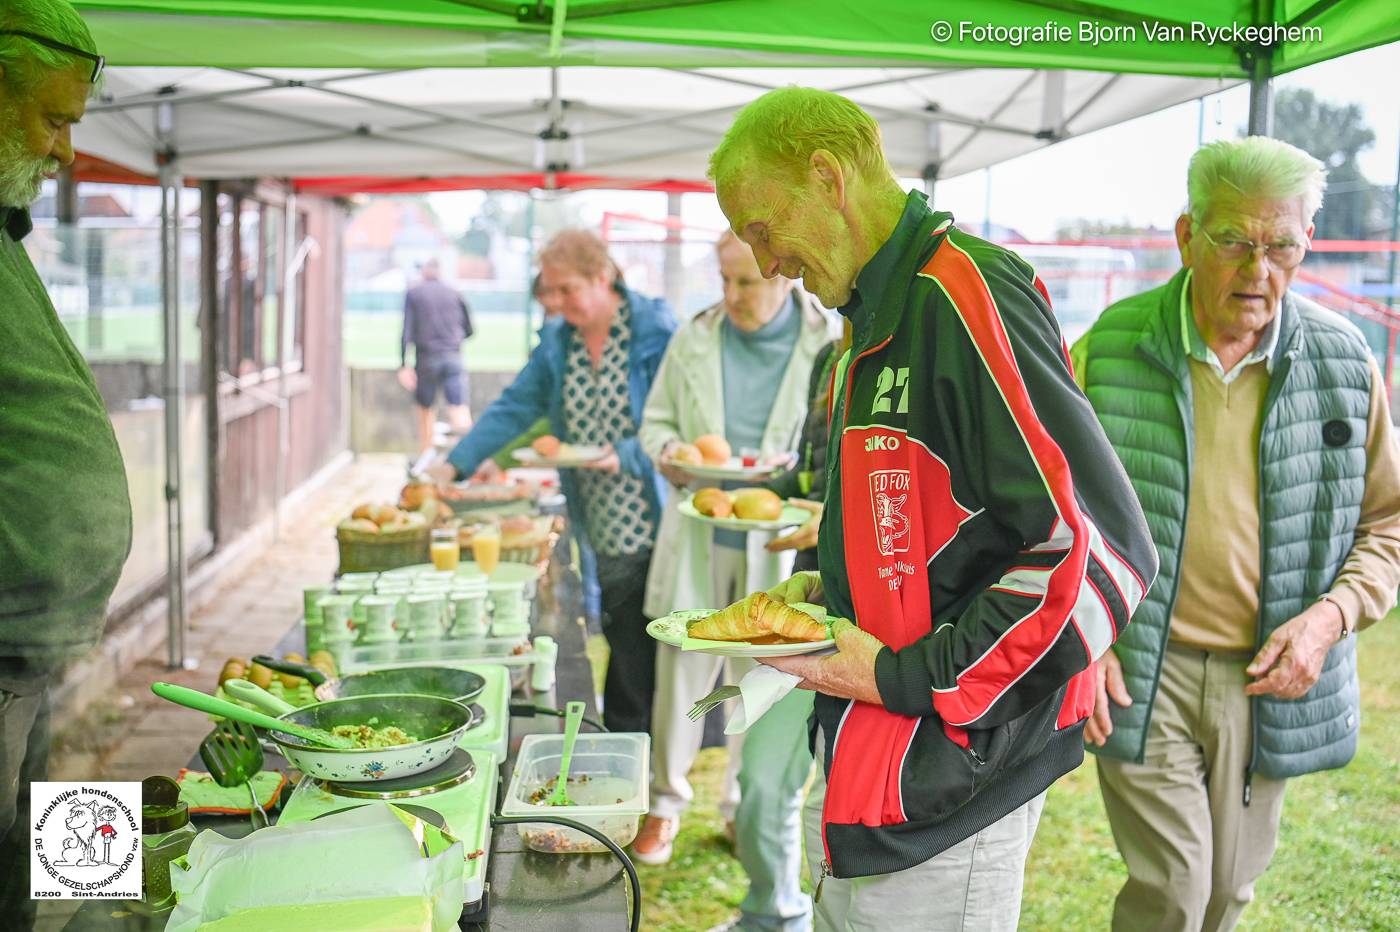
column 462, row 790
column 493, row 732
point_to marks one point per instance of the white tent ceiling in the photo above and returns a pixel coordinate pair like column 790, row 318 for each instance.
column 626, row 123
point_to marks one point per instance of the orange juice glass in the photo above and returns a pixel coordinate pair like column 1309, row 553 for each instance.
column 446, row 552
column 486, row 549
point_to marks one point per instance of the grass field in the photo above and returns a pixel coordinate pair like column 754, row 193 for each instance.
column 371, row 340
column 498, row 344
column 1337, row 865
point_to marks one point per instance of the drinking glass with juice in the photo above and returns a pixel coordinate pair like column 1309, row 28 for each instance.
column 486, row 549
column 446, row 552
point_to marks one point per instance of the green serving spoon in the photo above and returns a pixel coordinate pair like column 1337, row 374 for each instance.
column 194, row 699
column 573, row 715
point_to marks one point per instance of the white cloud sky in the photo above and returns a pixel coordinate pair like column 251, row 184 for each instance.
column 1137, row 170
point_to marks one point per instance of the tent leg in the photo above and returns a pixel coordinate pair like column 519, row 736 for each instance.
column 174, row 393
column 1261, row 97
column 284, row 352
column 933, row 157
column 673, row 271
column 530, row 271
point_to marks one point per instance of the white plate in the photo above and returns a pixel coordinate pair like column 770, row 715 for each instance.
column 671, row 630
column 733, row 469
column 579, row 454
column 791, row 516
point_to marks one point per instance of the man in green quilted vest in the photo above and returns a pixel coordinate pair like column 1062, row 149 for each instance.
column 1255, row 428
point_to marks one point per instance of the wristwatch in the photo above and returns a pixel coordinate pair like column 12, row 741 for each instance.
column 1346, row 629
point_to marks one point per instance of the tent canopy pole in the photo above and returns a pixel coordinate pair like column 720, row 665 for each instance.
column 174, row 389
column 1259, row 61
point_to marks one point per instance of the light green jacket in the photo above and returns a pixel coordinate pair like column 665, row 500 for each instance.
column 687, row 401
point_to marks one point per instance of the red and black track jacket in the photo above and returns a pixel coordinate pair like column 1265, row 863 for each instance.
column 980, row 525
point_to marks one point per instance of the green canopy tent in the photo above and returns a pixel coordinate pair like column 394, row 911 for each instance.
column 713, row 33
column 529, row 91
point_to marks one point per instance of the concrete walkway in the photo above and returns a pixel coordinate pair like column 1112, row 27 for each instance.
column 244, row 610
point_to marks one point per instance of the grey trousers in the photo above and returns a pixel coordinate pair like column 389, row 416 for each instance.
column 974, row 885
column 24, row 759
column 1193, row 849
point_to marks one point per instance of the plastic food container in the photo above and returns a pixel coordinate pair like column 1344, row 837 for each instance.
column 608, row 782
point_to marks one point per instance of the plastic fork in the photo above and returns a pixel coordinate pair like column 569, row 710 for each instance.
column 720, row 696
column 234, row 756
column 573, row 715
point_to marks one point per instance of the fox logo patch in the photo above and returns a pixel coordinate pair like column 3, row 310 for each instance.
column 889, row 494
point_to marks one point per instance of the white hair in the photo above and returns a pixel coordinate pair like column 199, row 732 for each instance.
column 26, row 61
column 1256, row 166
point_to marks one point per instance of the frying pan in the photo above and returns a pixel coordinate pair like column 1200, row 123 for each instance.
column 459, row 685
column 439, row 723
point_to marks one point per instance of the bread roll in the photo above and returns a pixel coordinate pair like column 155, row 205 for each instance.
column 713, row 503
column 260, row 676
column 714, row 449
column 757, row 505
column 546, row 446
column 234, row 669
column 415, row 494
column 686, row 454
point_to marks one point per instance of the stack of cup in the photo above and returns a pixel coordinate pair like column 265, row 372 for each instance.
column 337, row 625
column 467, row 601
column 356, row 582
column 311, row 618
column 426, row 614
column 379, row 635
column 508, row 609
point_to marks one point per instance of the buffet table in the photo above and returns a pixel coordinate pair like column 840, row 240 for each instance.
column 526, row 890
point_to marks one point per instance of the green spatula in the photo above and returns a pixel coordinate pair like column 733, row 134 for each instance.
column 573, row 715
column 194, row 699
column 234, row 756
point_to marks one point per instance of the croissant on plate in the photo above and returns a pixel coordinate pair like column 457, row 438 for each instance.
column 758, row 617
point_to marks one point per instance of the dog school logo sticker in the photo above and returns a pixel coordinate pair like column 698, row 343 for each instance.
column 85, row 841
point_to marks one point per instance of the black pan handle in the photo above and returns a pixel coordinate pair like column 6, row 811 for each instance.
column 312, row 674
column 525, row 710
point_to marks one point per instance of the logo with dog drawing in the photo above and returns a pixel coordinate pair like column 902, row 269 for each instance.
column 85, row 840
column 889, row 498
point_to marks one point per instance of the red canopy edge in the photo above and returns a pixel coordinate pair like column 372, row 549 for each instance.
column 371, row 184
column 100, row 171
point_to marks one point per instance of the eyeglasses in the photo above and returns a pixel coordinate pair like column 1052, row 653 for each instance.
column 1282, row 256
column 98, row 61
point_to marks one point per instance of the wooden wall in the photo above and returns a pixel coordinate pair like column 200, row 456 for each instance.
column 247, row 441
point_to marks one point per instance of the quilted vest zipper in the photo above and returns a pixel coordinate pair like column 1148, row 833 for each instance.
column 1276, row 383
column 1187, row 433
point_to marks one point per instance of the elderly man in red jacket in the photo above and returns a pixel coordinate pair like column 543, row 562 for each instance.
column 979, row 533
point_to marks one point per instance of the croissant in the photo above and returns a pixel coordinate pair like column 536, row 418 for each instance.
column 793, row 624
column 758, row 617
column 738, row 622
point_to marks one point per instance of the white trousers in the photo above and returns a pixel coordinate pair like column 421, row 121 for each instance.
column 681, row 679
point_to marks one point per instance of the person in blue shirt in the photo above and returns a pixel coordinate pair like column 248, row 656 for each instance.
column 590, row 376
